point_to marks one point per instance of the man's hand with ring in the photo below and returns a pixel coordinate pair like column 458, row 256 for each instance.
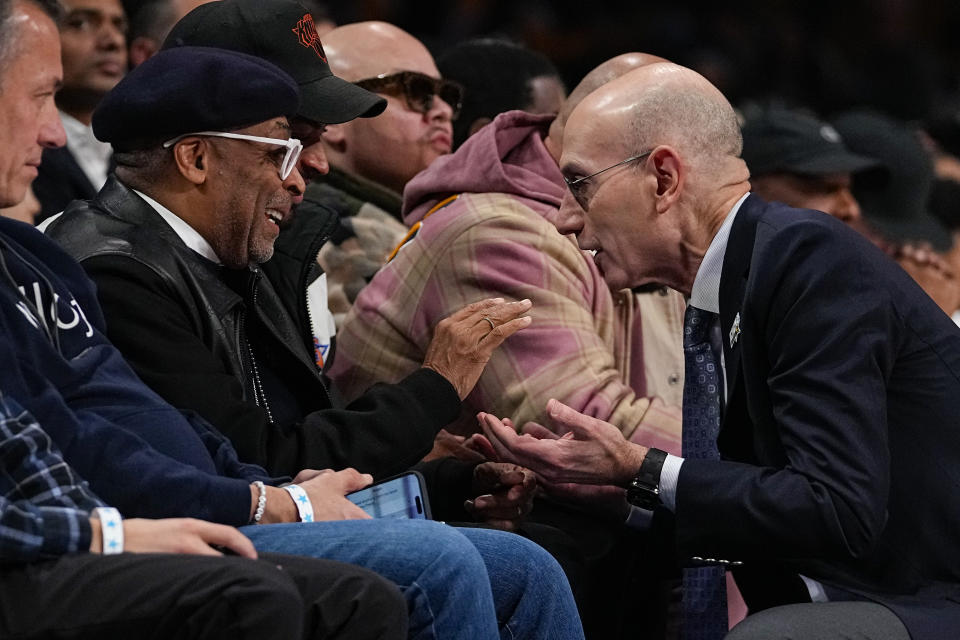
column 463, row 342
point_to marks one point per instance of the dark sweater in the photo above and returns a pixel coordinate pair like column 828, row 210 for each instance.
column 108, row 424
column 185, row 324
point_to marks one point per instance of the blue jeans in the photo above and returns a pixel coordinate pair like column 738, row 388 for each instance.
column 459, row 583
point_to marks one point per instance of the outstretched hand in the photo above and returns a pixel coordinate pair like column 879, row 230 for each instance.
column 590, row 451
column 463, row 342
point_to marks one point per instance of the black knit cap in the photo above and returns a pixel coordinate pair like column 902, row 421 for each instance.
column 898, row 206
column 192, row 89
column 282, row 32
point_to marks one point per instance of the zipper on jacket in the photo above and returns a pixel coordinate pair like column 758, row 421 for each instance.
column 312, row 325
column 314, row 253
column 259, row 395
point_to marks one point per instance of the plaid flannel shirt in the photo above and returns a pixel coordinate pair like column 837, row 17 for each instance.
column 583, row 348
column 44, row 506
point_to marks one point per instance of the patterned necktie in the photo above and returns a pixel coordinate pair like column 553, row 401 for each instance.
column 704, row 606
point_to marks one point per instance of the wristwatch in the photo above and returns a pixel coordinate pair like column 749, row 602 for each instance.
column 644, row 489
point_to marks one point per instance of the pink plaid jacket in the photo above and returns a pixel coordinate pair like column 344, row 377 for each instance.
column 593, row 351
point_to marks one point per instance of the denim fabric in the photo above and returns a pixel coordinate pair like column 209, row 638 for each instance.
column 459, row 583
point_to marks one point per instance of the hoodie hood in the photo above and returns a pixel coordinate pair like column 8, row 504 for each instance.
column 506, row 156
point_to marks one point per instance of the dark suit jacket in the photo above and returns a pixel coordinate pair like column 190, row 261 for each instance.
column 60, row 181
column 841, row 434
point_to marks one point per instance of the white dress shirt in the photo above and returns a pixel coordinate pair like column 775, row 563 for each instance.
column 92, row 155
column 185, row 232
column 705, row 295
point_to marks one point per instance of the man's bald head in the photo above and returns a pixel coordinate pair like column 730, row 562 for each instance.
column 653, row 163
column 596, row 78
column 666, row 104
column 367, row 49
column 414, row 129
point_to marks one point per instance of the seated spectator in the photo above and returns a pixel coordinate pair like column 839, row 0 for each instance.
column 57, row 537
column 149, row 460
column 896, row 209
column 372, row 159
column 801, row 161
column 498, row 76
column 278, row 413
column 821, row 458
column 488, row 213
column 282, row 32
column 804, row 162
column 94, row 54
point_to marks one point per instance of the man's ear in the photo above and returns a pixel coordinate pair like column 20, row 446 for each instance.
column 335, row 136
column 141, row 49
column 192, row 157
column 670, row 173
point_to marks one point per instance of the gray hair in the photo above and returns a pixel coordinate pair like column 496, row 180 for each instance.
column 9, row 38
column 702, row 123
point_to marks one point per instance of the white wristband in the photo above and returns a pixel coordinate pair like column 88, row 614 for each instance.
column 111, row 529
column 302, row 500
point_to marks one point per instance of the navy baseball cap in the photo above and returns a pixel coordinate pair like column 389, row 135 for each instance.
column 283, row 33
column 192, row 89
column 781, row 140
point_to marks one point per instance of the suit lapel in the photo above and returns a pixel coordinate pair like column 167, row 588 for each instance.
column 733, row 284
column 62, row 164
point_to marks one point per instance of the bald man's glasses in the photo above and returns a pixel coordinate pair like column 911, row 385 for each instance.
column 578, row 187
column 289, row 159
column 418, row 89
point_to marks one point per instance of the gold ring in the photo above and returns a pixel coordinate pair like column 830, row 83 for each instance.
column 492, row 326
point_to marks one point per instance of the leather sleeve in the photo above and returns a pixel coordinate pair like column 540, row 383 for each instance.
column 383, row 432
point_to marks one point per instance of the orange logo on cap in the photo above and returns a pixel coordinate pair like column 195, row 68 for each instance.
column 307, row 34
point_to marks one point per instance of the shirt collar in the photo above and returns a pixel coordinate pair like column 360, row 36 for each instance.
column 74, row 128
column 92, row 155
column 187, row 234
column 705, row 293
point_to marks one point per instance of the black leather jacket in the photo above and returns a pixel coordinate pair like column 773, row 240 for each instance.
column 179, row 320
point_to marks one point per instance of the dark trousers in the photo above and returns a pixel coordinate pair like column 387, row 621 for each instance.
column 181, row 596
column 822, row 621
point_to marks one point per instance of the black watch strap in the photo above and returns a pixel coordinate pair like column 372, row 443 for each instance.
column 644, row 489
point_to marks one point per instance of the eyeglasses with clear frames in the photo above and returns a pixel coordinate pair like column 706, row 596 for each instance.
column 289, row 160
column 577, row 186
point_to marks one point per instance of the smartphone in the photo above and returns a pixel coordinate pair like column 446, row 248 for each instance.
column 402, row 496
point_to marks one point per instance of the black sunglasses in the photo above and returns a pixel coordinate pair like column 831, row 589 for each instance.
column 418, row 89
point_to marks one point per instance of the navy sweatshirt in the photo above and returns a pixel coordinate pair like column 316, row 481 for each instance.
column 137, row 452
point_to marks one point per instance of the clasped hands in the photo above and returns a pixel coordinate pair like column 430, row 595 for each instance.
column 581, row 459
